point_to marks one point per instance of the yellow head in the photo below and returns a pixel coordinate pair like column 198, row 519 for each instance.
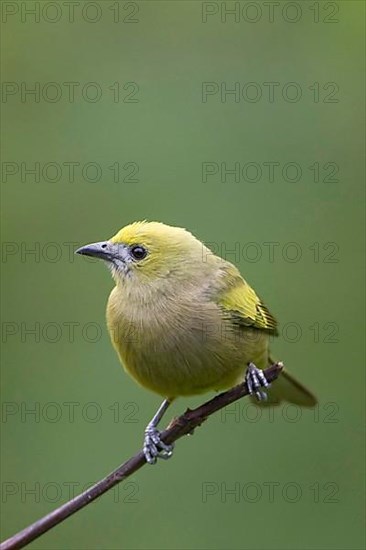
column 150, row 251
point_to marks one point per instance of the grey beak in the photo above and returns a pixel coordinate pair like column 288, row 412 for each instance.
column 103, row 250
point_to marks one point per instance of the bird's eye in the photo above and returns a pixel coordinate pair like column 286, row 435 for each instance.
column 138, row 252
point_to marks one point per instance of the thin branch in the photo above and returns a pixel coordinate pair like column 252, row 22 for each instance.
column 180, row 426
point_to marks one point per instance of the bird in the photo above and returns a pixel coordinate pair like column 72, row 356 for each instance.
column 183, row 322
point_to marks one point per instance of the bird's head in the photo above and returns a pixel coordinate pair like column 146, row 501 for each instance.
column 149, row 252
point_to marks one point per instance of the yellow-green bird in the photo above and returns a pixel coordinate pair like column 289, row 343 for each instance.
column 184, row 321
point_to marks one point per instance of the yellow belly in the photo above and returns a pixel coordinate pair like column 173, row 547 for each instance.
column 173, row 357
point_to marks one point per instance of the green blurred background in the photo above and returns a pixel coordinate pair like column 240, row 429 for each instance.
column 287, row 478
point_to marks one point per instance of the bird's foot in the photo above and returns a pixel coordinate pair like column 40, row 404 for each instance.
column 255, row 380
column 154, row 447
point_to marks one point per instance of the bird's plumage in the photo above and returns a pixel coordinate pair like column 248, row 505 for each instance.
column 184, row 321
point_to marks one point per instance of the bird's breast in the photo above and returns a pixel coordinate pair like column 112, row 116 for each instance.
column 177, row 346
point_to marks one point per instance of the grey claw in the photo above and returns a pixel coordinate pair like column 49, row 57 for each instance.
column 255, row 379
column 154, row 448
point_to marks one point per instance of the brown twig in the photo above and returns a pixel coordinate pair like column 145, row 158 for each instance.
column 179, row 427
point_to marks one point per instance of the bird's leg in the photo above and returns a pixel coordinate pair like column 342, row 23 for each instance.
column 153, row 446
column 255, row 380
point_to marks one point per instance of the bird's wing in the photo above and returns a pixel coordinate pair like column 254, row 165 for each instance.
column 238, row 299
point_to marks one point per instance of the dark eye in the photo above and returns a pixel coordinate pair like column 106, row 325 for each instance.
column 138, row 252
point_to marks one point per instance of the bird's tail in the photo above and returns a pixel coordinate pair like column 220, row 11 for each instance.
column 287, row 388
